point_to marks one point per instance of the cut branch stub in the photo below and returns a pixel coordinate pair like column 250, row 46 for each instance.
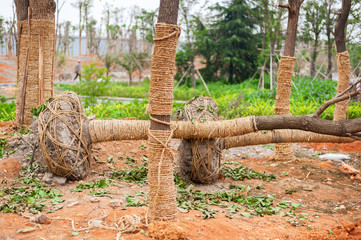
column 200, row 159
column 63, row 143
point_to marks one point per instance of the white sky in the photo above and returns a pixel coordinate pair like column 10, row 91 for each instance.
column 68, row 12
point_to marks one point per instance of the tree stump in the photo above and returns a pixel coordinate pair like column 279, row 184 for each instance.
column 200, row 159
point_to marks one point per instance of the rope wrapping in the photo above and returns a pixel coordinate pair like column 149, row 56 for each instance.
column 41, row 60
column 344, row 72
column 284, row 151
column 162, row 192
column 61, row 137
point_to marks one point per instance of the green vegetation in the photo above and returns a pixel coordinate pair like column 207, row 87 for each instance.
column 237, row 100
column 7, row 111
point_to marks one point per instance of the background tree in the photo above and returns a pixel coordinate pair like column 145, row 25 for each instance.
column 230, row 44
column 343, row 59
column 329, row 21
column 79, row 5
column 315, row 16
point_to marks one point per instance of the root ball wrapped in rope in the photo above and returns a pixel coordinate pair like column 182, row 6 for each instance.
column 63, row 143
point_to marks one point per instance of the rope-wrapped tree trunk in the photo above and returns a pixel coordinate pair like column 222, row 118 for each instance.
column 36, row 29
column 162, row 192
column 284, row 151
column 343, row 60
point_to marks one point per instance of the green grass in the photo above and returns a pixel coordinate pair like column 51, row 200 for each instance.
column 238, row 100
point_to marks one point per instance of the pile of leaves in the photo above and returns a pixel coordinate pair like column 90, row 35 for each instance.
column 29, row 193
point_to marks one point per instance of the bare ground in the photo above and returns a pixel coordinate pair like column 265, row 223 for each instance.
column 331, row 200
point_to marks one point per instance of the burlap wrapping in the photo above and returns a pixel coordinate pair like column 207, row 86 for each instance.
column 344, row 71
column 39, row 29
column 284, row 151
column 62, row 140
column 162, row 192
column 200, row 159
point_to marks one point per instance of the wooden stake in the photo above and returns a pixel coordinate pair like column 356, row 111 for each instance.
column 41, row 67
column 23, row 93
column 204, row 83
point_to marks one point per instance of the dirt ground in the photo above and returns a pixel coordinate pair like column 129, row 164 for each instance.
column 331, row 200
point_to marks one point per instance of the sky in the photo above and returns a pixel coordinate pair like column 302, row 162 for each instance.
column 68, row 12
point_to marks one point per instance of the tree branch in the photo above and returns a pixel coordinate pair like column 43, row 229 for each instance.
column 280, row 5
column 338, row 98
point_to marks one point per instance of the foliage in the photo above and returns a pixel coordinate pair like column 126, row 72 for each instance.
column 230, row 44
column 37, row 110
column 355, row 57
column 240, row 173
column 28, row 193
column 7, row 111
column 93, row 82
column 135, row 174
column 60, row 58
column 2, row 98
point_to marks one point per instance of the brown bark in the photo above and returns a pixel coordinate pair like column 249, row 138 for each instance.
column 291, row 33
column 341, row 25
column 328, row 4
column 21, row 9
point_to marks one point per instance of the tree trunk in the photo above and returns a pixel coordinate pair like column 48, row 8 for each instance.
column 314, row 57
column 328, row 5
column 285, row 72
column 291, row 33
column 343, row 60
column 80, row 27
column 162, row 193
column 35, row 56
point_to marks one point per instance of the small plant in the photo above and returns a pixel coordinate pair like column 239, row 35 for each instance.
column 37, row 110
column 2, row 98
column 60, row 59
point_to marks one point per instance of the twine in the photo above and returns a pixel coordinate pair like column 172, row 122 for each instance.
column 163, row 69
column 162, row 194
column 284, row 151
column 344, row 71
column 62, row 139
column 32, row 99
